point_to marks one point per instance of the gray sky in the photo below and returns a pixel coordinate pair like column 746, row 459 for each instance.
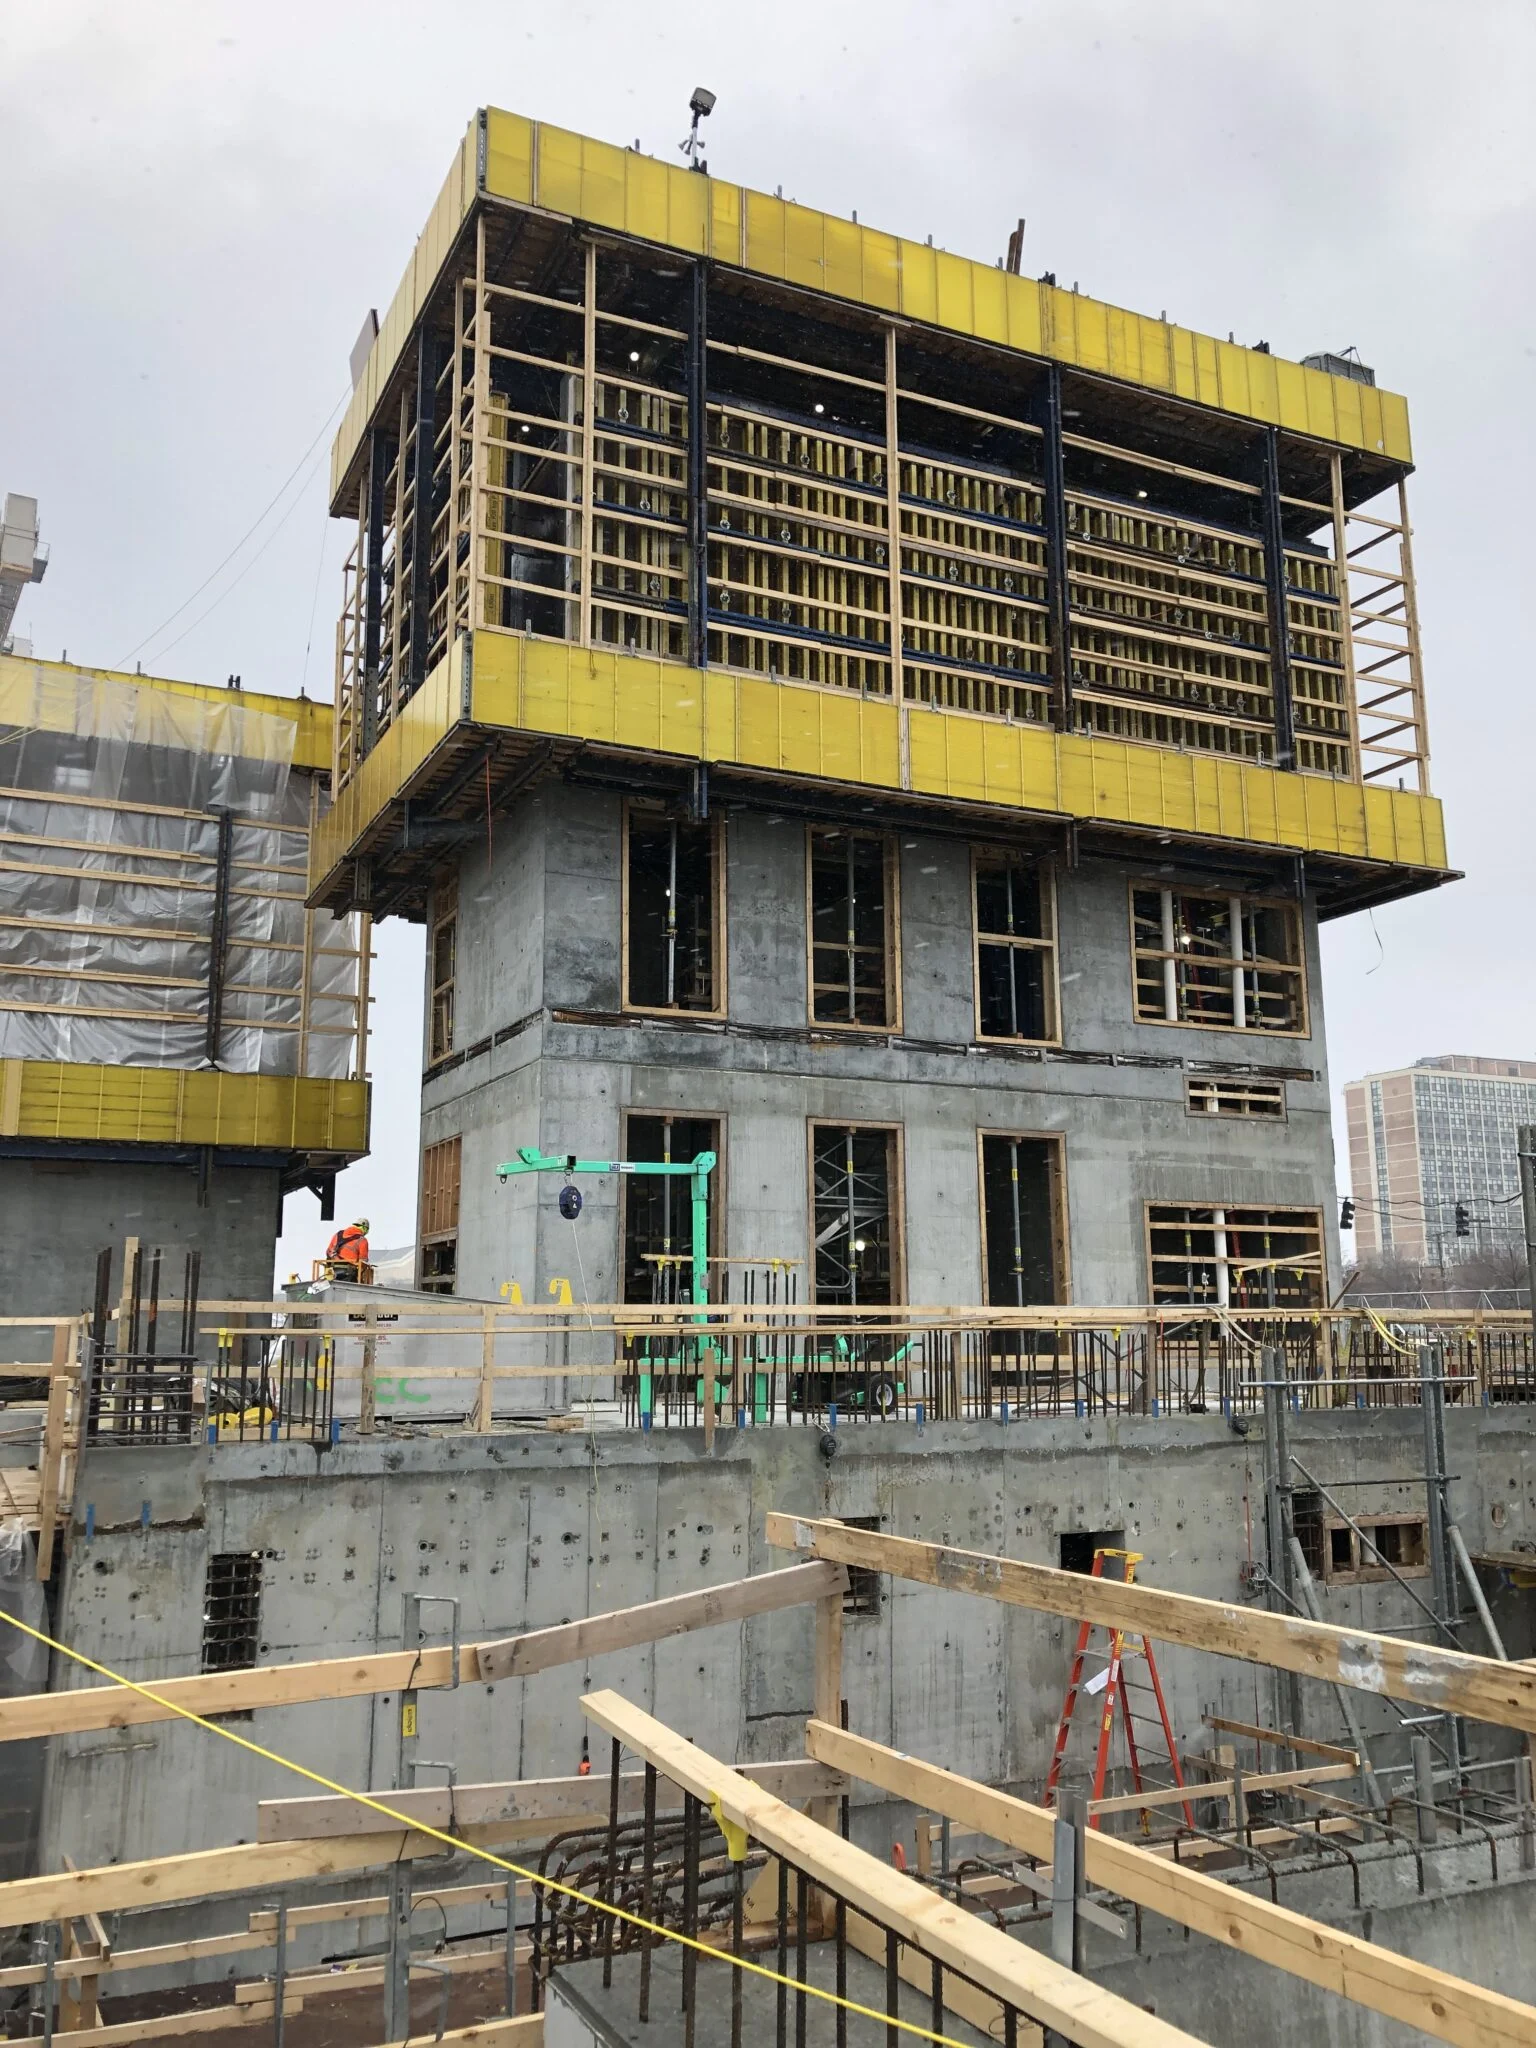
column 203, row 200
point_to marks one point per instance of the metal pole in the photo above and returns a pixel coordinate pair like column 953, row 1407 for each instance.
column 1469, row 1575
column 397, row 1971
column 1066, row 1944
column 1279, row 1519
column 1527, row 1151
column 511, row 1958
column 1424, row 1785
column 1313, row 1606
column 280, row 1973
column 1442, row 1571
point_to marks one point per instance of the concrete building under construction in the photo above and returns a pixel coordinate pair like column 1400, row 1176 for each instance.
column 890, row 722
column 887, row 730
column 182, row 1041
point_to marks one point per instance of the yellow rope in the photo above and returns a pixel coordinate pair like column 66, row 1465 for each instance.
column 1385, row 1334
column 419, row 1827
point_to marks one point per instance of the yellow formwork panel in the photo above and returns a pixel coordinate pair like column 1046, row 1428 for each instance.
column 21, row 702
column 531, row 163
column 418, row 727
column 168, row 1106
column 787, row 728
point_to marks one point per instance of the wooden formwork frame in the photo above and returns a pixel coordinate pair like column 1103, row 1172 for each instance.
column 301, row 1838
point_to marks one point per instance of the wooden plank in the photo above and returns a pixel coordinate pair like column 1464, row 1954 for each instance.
column 248, row 1866
column 51, row 1462
column 261, row 1932
column 1221, row 1788
column 336, row 1678
column 172, row 2026
column 926, row 1920
column 1447, row 2007
column 1435, row 1679
column 978, row 2007
column 565, row 1800
column 1304, row 1745
column 625, row 1628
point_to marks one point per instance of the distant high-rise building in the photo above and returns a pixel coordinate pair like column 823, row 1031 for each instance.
column 1431, row 1148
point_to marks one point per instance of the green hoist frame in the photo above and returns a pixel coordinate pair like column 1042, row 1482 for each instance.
column 530, row 1160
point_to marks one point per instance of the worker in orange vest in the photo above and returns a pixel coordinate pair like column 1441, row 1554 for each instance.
column 349, row 1247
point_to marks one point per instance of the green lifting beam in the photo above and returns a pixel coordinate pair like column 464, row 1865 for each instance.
column 530, row 1160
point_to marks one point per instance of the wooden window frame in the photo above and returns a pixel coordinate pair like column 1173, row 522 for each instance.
column 1366, row 1570
column 717, row 1186
column 898, row 1201
column 1235, row 1086
column 1061, row 1236
column 1050, row 946
column 448, row 1235
column 1231, row 1210
column 1286, row 904
column 445, row 911
column 892, row 859
column 717, row 930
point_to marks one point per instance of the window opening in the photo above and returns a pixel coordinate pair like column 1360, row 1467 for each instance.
column 1401, row 1542
column 672, row 870
column 1232, row 963
column 1207, row 1095
column 1019, row 1234
column 1075, row 1547
column 1015, row 949
column 852, row 972
column 853, row 1170
column 232, row 1614
column 1235, row 1258
column 1307, row 1521
column 445, row 935
column 658, row 1207
column 862, row 1599
column 440, row 1180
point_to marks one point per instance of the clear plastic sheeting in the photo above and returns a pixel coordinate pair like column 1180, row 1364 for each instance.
column 136, row 827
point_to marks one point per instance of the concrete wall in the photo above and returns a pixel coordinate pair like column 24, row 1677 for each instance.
column 532, row 1528
column 59, row 1214
column 549, row 1062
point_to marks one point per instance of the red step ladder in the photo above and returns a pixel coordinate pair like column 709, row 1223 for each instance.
column 1117, row 1689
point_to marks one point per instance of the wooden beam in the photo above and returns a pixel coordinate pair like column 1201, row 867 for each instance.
column 981, row 2010
column 171, row 2026
column 248, row 1866
column 562, row 1800
column 627, row 1627
column 1222, row 1788
column 1303, row 1745
column 261, row 1931
column 923, row 1918
column 1447, row 2007
column 340, row 1678
column 1435, row 1679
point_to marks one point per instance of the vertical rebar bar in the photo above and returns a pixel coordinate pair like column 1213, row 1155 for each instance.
column 693, row 1828
column 738, row 1892
column 781, row 2002
column 647, row 1891
column 840, row 1942
column 611, row 1872
column 936, row 2016
column 802, row 1904
column 892, row 1987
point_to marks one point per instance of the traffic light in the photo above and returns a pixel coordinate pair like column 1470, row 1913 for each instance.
column 1463, row 1221
column 1347, row 1213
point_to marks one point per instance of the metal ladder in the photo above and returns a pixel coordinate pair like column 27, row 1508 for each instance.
column 1117, row 1689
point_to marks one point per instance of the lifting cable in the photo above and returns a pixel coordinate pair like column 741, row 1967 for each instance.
column 420, row 1827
